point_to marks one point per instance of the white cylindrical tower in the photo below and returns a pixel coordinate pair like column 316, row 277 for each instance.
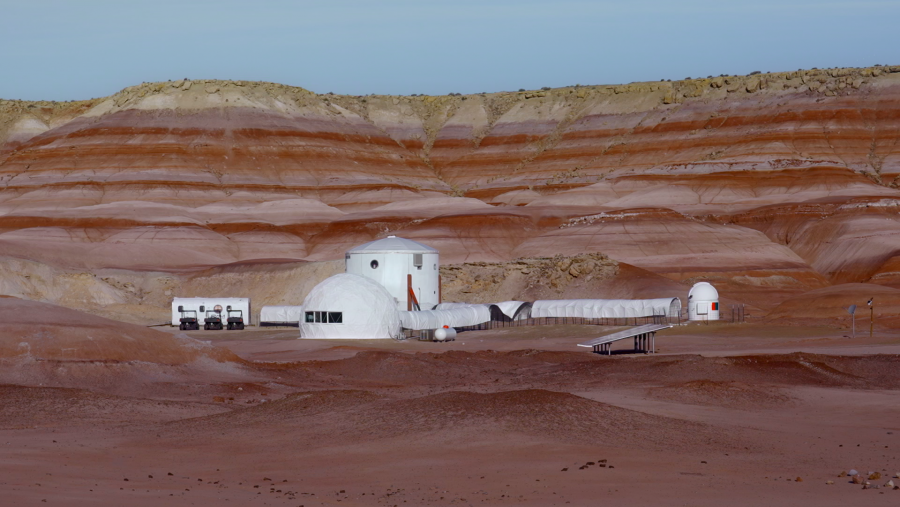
column 703, row 302
column 400, row 265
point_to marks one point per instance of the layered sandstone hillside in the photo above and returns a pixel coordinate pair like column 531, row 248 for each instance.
column 769, row 185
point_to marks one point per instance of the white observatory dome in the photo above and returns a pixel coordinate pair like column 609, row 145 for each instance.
column 349, row 306
column 703, row 302
column 703, row 291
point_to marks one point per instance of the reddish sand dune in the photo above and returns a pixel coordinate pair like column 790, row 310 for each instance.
column 43, row 332
column 525, row 427
column 831, row 304
column 736, row 395
column 339, row 416
column 55, row 407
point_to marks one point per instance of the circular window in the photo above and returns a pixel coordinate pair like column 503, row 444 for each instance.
column 374, row 264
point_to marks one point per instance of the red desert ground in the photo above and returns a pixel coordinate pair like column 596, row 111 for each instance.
column 779, row 189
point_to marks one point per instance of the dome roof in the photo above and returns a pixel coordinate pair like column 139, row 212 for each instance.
column 368, row 309
column 392, row 244
column 703, row 291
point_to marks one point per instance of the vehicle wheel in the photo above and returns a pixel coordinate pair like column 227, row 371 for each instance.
column 181, row 326
column 241, row 325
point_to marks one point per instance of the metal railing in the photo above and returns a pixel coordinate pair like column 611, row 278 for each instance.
column 738, row 313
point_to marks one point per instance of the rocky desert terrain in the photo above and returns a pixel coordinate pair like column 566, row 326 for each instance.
column 781, row 189
column 99, row 412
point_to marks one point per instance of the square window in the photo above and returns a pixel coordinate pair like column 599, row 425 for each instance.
column 335, row 317
column 309, row 317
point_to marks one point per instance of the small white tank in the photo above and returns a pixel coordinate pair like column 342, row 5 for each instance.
column 703, row 302
column 444, row 333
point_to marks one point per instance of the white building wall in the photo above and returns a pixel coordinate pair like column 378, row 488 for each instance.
column 463, row 316
column 280, row 314
column 606, row 308
column 392, row 271
column 703, row 310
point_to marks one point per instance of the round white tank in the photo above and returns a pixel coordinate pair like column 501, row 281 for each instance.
column 703, row 302
column 391, row 261
column 444, row 333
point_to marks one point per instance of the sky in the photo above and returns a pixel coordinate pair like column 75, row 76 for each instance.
column 81, row 49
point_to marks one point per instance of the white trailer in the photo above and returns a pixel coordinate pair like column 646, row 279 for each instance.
column 209, row 305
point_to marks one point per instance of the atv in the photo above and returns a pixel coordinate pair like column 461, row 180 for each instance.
column 213, row 319
column 188, row 319
column 235, row 319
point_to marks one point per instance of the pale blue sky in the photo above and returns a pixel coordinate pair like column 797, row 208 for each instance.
column 79, row 49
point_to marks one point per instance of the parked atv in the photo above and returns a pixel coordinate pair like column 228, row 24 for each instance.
column 188, row 320
column 213, row 319
column 235, row 319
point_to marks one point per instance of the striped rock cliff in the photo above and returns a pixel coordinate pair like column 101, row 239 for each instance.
column 770, row 185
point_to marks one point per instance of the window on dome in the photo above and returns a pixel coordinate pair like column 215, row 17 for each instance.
column 324, row 317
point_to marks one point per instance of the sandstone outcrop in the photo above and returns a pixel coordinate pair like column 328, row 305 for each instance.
column 527, row 279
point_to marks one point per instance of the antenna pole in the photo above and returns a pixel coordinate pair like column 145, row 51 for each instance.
column 871, row 318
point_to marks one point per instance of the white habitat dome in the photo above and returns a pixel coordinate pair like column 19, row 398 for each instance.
column 703, row 291
column 349, row 306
